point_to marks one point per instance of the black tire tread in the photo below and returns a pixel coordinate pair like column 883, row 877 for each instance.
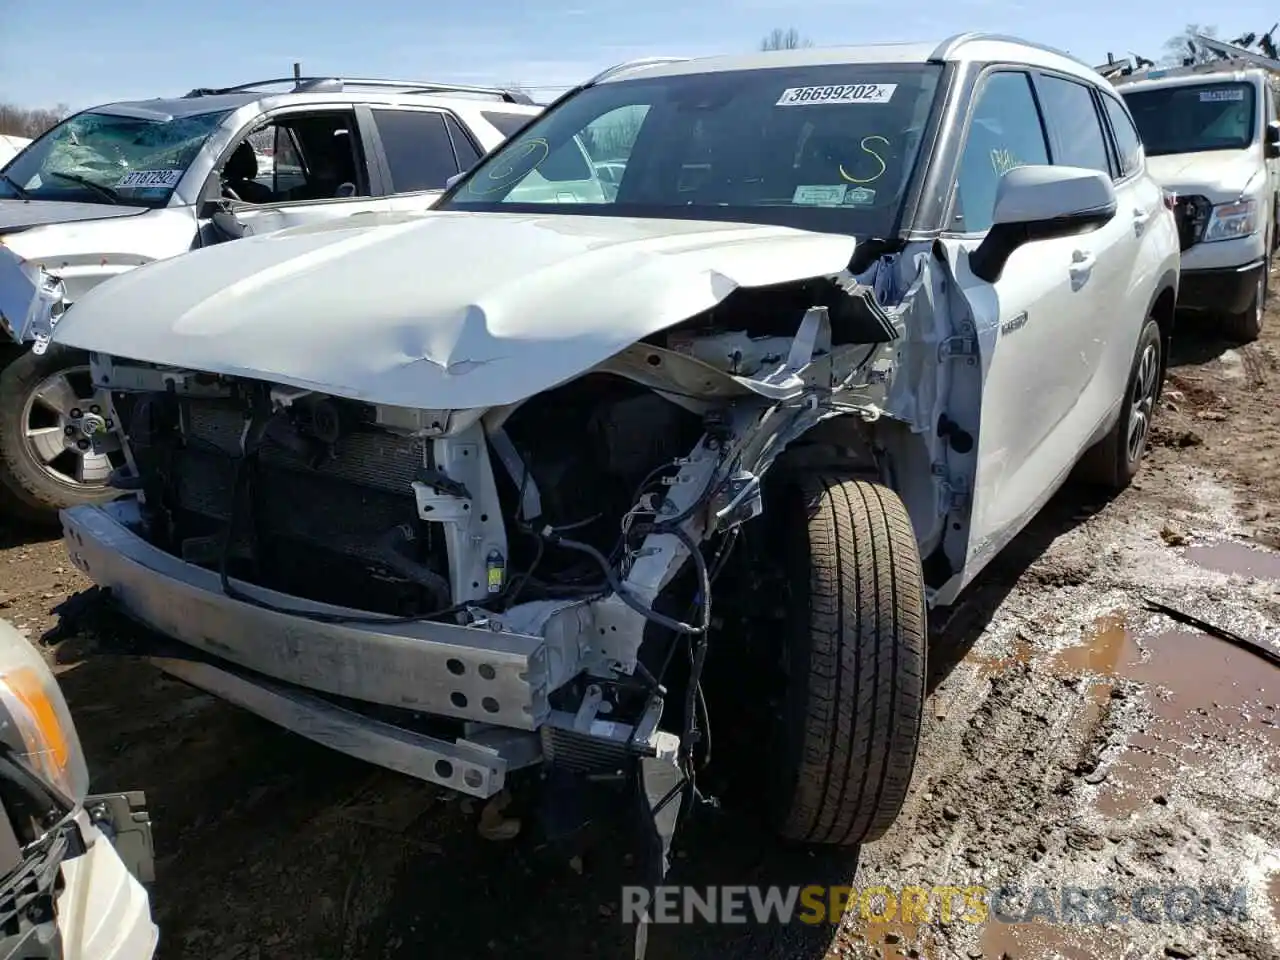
column 25, row 494
column 865, row 687
column 1105, row 465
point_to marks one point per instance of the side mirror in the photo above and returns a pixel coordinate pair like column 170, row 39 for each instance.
column 1273, row 139
column 454, row 179
column 1041, row 202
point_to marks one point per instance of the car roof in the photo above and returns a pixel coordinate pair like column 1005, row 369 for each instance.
column 968, row 47
column 194, row 106
column 1199, row 78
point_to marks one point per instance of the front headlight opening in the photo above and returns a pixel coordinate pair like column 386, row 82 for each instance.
column 1231, row 221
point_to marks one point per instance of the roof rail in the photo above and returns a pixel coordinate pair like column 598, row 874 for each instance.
column 948, row 46
column 1196, row 69
column 632, row 64
column 336, row 84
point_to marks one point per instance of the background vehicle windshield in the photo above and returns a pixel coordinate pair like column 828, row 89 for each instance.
column 828, row 148
column 104, row 158
column 1190, row 119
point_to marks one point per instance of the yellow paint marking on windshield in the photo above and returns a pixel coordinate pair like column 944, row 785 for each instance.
column 867, row 150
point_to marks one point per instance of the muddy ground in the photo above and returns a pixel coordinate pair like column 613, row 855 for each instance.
column 1073, row 738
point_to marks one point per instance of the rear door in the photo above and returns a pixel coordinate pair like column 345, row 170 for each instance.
column 1033, row 326
column 1101, row 324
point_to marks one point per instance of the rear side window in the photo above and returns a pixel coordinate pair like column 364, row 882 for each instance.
column 419, row 153
column 463, row 148
column 1126, row 136
column 506, row 123
column 1005, row 133
column 1073, row 123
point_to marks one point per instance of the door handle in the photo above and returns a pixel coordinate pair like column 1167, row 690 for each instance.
column 1082, row 261
column 1140, row 218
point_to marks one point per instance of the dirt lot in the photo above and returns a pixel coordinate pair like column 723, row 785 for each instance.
column 1073, row 738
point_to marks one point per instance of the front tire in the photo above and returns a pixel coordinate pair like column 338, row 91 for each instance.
column 845, row 743
column 1246, row 326
column 1113, row 461
column 47, row 416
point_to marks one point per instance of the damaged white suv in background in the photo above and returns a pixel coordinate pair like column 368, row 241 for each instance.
column 521, row 480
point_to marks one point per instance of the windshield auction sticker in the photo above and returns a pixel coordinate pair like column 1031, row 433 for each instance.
column 819, row 195
column 1221, row 96
column 135, row 179
column 842, row 93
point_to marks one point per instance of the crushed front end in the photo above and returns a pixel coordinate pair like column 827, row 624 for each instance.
column 460, row 593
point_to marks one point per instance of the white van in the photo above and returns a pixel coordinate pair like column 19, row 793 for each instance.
column 1212, row 139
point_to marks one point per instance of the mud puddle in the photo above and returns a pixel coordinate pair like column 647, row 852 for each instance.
column 1239, row 559
column 1202, row 694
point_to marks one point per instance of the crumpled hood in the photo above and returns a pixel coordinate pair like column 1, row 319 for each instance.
column 18, row 215
column 442, row 310
column 1219, row 175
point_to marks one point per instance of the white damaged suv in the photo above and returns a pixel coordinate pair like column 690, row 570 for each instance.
column 523, row 479
column 122, row 185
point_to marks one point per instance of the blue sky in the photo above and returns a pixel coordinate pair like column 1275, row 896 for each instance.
column 92, row 51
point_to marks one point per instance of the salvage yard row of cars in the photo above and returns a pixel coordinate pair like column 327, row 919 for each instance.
column 444, row 458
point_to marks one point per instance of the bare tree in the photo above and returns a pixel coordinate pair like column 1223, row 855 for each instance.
column 1184, row 48
column 18, row 121
column 789, row 39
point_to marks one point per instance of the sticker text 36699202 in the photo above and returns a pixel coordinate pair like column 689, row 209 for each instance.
column 843, row 93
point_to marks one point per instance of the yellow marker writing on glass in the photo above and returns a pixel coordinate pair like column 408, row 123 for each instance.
column 867, row 150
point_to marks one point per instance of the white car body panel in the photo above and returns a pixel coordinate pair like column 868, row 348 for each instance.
column 86, row 252
column 572, row 293
column 1053, row 368
column 103, row 912
column 10, row 147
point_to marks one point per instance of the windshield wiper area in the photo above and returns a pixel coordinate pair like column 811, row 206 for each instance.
column 22, row 194
column 97, row 188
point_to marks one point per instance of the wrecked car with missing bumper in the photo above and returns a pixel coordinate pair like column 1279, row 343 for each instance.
column 510, row 483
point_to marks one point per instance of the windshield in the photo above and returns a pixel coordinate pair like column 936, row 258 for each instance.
column 828, row 148
column 1191, row 119
column 104, row 158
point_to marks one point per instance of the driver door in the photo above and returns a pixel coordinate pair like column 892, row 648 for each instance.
column 311, row 167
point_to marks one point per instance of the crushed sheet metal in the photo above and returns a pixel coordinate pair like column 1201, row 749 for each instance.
column 507, row 306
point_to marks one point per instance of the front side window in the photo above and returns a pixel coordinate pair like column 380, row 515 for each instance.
column 1004, row 133
column 1194, row 118
column 829, row 148
column 99, row 157
column 1075, row 130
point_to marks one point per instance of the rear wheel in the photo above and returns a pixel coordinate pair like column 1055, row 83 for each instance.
column 845, row 741
column 49, row 414
column 1114, row 460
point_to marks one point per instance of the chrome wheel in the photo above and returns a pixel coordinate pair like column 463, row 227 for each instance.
column 1143, row 401
column 60, row 418
column 1260, row 298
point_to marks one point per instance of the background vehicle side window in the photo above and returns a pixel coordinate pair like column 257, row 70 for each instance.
column 1126, row 136
column 298, row 158
column 1004, row 133
column 1073, row 124
column 418, row 150
column 463, row 148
